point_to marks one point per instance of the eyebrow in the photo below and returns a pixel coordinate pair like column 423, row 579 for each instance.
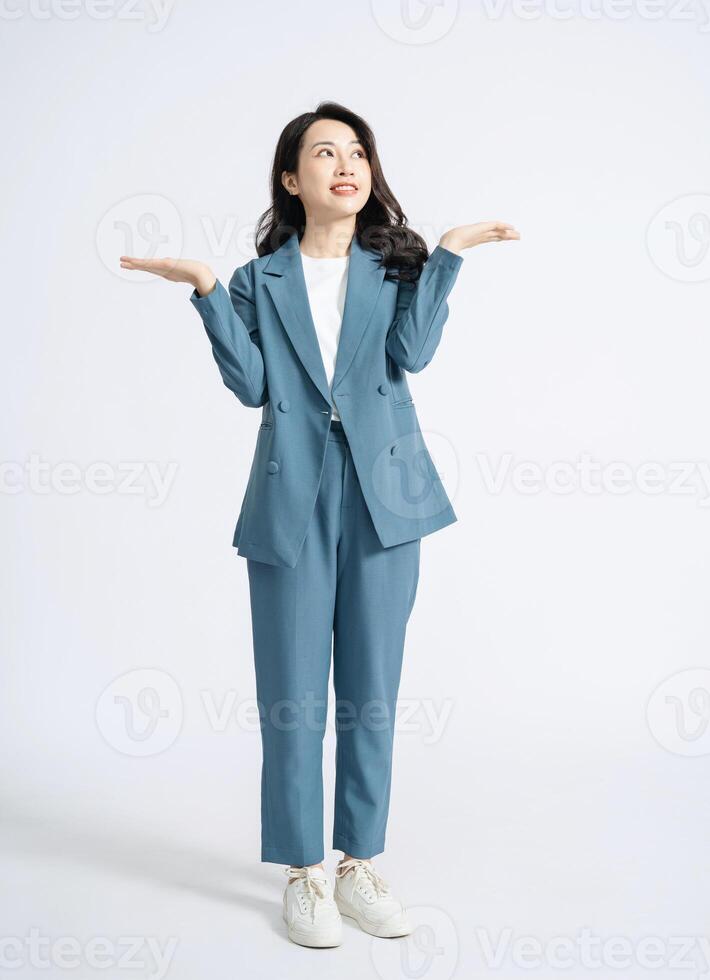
column 331, row 143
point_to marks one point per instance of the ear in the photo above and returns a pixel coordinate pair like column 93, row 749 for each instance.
column 289, row 182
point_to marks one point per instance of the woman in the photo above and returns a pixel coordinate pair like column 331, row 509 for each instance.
column 320, row 332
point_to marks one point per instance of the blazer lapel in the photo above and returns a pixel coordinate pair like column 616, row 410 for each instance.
column 364, row 282
column 287, row 286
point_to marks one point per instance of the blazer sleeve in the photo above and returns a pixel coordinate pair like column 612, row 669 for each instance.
column 422, row 311
column 231, row 323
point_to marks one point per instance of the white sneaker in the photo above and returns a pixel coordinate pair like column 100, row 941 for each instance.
column 362, row 894
column 309, row 909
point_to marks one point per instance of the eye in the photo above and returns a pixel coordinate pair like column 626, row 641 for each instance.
column 326, row 149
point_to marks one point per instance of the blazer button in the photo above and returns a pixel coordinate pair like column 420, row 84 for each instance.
column 383, row 389
column 284, row 404
column 272, row 466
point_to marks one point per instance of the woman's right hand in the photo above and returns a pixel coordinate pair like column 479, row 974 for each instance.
column 196, row 274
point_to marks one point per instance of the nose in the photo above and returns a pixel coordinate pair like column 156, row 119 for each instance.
column 345, row 168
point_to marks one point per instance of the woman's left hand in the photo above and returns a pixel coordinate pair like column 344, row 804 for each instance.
column 466, row 236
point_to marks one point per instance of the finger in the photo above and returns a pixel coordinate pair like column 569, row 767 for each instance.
column 496, row 225
column 148, row 265
column 135, row 261
column 503, row 235
column 137, row 267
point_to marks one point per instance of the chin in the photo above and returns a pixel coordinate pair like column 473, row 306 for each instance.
column 348, row 205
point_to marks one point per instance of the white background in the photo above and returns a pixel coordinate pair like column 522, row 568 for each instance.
column 558, row 794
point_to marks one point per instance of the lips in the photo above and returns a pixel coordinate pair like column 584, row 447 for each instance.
column 344, row 187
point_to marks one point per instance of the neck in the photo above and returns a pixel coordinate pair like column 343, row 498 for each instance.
column 329, row 240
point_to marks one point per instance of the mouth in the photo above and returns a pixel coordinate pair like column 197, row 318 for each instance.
column 344, row 188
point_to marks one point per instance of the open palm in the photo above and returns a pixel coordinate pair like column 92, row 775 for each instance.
column 466, row 236
column 175, row 270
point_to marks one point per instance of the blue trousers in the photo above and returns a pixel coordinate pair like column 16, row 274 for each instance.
column 349, row 598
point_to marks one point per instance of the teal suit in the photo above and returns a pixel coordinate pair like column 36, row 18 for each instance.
column 330, row 525
column 265, row 344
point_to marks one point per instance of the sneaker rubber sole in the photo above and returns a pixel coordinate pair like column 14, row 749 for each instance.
column 386, row 930
column 323, row 940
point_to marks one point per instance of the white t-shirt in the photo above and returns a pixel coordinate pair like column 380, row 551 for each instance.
column 326, row 282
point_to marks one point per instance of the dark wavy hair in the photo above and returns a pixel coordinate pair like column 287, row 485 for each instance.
column 380, row 225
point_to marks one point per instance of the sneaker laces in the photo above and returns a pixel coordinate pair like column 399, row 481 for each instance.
column 313, row 884
column 364, row 869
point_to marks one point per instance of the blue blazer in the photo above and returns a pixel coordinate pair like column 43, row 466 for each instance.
column 265, row 344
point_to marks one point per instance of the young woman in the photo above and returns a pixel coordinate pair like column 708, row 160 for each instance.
column 320, row 331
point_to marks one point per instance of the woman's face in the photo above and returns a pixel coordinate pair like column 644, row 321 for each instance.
column 333, row 177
